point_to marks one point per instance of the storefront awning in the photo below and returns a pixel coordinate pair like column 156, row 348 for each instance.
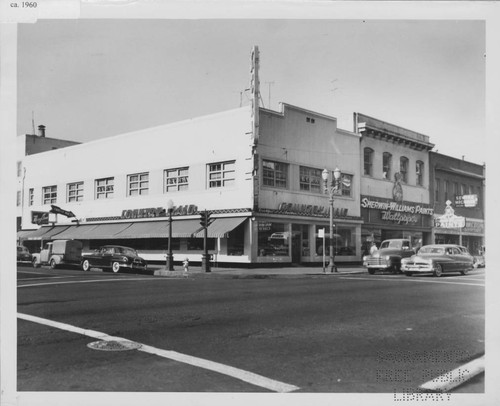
column 159, row 229
column 222, row 226
column 22, row 234
column 45, row 232
column 93, row 231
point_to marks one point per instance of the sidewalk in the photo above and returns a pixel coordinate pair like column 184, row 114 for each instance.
column 296, row 271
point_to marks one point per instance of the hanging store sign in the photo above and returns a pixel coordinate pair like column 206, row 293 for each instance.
column 466, row 201
column 152, row 212
column 448, row 219
column 39, row 217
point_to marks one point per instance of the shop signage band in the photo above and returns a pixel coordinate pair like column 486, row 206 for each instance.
column 152, row 212
column 310, row 209
column 397, row 212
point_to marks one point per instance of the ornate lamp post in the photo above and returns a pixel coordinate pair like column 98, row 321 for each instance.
column 170, row 257
column 332, row 190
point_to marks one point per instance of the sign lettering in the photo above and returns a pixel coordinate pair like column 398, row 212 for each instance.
column 152, row 212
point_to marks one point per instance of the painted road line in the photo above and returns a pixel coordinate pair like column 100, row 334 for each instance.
column 48, row 277
column 409, row 279
column 246, row 376
column 87, row 281
column 456, row 377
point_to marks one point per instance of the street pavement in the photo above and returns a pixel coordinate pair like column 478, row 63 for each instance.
column 291, row 271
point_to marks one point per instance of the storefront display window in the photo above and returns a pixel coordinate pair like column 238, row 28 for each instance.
column 343, row 241
column 274, row 239
column 196, row 244
column 236, row 241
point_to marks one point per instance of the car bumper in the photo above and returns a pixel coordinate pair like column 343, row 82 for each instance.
column 377, row 264
column 414, row 268
column 25, row 261
column 134, row 266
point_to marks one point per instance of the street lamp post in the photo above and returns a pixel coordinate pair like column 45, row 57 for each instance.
column 332, row 190
column 170, row 257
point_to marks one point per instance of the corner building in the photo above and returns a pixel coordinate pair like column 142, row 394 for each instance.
column 257, row 171
column 395, row 190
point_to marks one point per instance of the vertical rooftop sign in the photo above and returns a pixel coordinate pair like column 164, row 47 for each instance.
column 255, row 91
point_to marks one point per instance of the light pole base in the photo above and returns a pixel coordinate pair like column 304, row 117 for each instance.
column 205, row 263
column 332, row 268
column 170, row 262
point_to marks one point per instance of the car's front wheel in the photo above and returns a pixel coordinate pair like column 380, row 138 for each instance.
column 86, row 265
column 438, row 270
column 464, row 272
column 371, row 271
column 53, row 264
column 115, row 267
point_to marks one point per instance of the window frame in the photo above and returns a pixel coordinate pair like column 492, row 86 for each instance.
column 419, row 172
column 269, row 174
column 79, row 192
column 310, row 179
column 368, row 163
column 138, row 184
column 404, row 163
column 31, row 196
column 221, row 174
column 181, row 180
column 106, row 185
column 387, row 165
column 49, row 196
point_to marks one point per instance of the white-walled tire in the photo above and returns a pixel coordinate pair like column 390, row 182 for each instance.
column 438, row 270
column 86, row 265
column 115, row 267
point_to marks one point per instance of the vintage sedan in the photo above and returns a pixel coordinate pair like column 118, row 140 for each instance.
column 23, row 255
column 388, row 256
column 114, row 257
column 438, row 259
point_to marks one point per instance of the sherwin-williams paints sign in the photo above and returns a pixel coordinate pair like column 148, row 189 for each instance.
column 393, row 212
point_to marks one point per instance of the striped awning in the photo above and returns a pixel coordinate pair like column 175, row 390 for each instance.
column 93, row 231
column 45, row 232
column 159, row 229
column 222, row 226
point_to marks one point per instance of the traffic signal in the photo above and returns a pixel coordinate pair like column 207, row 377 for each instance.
column 205, row 219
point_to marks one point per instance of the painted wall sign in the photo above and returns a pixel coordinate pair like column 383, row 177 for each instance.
column 310, row 209
column 366, row 203
column 151, row 212
column 40, row 217
column 466, row 201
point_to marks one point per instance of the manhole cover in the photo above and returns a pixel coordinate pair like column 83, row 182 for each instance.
column 114, row 345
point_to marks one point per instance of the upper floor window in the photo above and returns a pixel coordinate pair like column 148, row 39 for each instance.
column 310, row 179
column 403, row 169
column 18, row 201
column 446, row 190
column 386, row 165
column 138, row 184
column 345, row 184
column 221, row 174
column 438, row 190
column 31, row 196
column 49, row 194
column 176, row 179
column 419, row 170
column 104, row 188
column 368, row 161
column 275, row 174
column 74, row 192
column 456, row 190
column 19, row 168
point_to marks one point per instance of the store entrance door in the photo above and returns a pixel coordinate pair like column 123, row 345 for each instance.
column 296, row 243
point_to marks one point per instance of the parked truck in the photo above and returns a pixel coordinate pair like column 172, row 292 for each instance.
column 59, row 252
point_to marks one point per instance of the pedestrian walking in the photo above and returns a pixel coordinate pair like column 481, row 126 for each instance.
column 185, row 265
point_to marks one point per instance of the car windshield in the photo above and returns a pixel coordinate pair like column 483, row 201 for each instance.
column 391, row 244
column 431, row 250
column 126, row 251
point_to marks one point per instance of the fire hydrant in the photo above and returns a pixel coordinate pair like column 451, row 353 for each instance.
column 185, row 264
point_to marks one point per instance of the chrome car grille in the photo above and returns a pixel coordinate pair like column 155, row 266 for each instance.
column 376, row 261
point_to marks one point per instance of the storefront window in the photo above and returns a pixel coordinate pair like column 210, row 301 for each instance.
column 235, row 241
column 196, row 244
column 343, row 241
column 274, row 239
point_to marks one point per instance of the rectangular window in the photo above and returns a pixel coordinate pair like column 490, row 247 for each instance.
column 345, row 185
column 31, row 196
column 310, row 179
column 19, row 169
column 403, row 169
column 18, row 200
column 367, row 161
column 438, row 189
column 49, row 194
column 138, row 184
column 419, row 169
column 74, row 192
column 176, row 179
column 221, row 174
column 446, row 190
column 386, row 165
column 275, row 174
column 104, row 188
column 456, row 190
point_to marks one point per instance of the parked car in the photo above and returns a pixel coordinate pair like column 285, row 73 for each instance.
column 23, row 255
column 114, row 257
column 479, row 261
column 438, row 259
column 59, row 252
column 388, row 256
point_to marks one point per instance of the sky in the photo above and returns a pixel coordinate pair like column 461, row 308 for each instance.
column 89, row 79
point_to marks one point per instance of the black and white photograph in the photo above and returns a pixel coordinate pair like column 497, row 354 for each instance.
column 281, row 202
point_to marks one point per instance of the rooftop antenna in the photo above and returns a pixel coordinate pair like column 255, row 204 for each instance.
column 270, row 84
